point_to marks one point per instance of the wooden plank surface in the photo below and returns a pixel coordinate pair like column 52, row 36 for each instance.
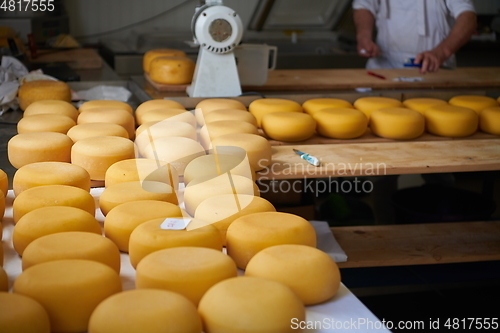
column 419, row 244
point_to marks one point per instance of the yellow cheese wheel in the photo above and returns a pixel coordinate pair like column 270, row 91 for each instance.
column 45, row 123
column 189, row 271
column 489, row 120
column 368, row 104
column 4, row 182
column 156, row 104
column 4, row 281
column 119, row 193
column 422, row 104
column 20, row 314
column 314, row 105
column 250, row 304
column 476, row 103
column 145, row 310
column 288, row 126
column 157, row 115
column 142, row 169
column 262, row 106
column 69, row 290
column 221, row 210
column 50, row 220
column 123, row 219
column 39, row 90
column 50, row 173
column 258, row 149
column 217, row 128
column 230, row 114
column 150, row 131
column 249, row 234
column 72, row 245
column 90, row 130
column 104, row 103
column 113, row 116
column 149, row 237
column 397, row 123
column 52, row 107
column 311, row 273
column 171, row 70
column 341, row 123
column 97, row 154
column 451, row 121
column 210, row 104
column 150, row 55
column 201, row 188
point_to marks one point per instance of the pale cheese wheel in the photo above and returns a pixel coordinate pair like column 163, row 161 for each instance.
column 72, row 245
column 4, row 182
column 230, row 114
column 157, row 115
column 145, row 310
column 52, row 107
column 97, row 154
column 341, row 123
column 258, row 149
column 451, row 121
column 150, row 55
column 45, row 123
column 150, row 131
column 50, row 220
column 221, row 210
column 263, row 106
column 171, row 70
column 39, row 90
column 288, row 126
column 149, row 237
column 113, row 116
column 476, row 103
column 489, row 120
column 210, row 104
column 156, row 104
column 189, row 271
column 90, row 130
column 311, row 273
column 123, row 219
column 311, row 106
column 422, row 104
column 368, row 104
column 119, row 193
column 249, row 234
column 104, row 103
column 397, row 123
column 20, row 314
column 69, row 290
column 249, row 304
column 217, row 128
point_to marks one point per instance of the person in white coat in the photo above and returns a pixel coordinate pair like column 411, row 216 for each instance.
column 428, row 31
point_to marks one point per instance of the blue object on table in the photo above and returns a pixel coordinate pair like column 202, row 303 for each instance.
column 310, row 159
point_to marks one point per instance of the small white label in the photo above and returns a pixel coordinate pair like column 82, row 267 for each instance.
column 174, row 224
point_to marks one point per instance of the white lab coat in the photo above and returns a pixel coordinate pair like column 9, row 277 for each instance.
column 406, row 28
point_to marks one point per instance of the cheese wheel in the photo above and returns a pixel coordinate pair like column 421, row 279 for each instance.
column 45, row 123
column 221, row 210
column 149, row 237
column 189, row 271
column 451, row 121
column 311, row 273
column 476, row 103
column 262, row 106
column 202, row 188
column 249, row 234
column 156, row 104
column 4, row 281
column 119, row 193
column 217, row 128
column 72, row 245
column 311, row 106
column 368, row 104
column 157, row 115
column 288, row 126
column 50, row 220
column 422, row 104
column 97, row 154
column 39, row 90
column 123, row 219
column 113, row 116
column 258, row 149
column 145, row 310
column 171, row 70
column 397, row 123
column 230, row 114
column 250, row 304
column 489, row 120
column 341, row 123
column 69, row 290
column 104, row 103
column 150, row 55
column 52, row 107
column 4, row 182
column 150, row 131
column 210, row 104
column 90, row 130
column 19, row 314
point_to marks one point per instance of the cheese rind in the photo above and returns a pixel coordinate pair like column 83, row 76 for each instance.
column 38, row 90
column 397, row 123
column 90, row 130
column 230, row 114
column 150, row 55
column 156, row 104
column 369, row 104
column 4, row 182
column 217, row 128
column 341, row 123
column 104, row 103
column 422, row 104
column 19, row 314
column 45, row 123
column 210, row 104
column 113, row 116
column 141, row 169
column 148, row 132
column 171, row 70
column 476, row 103
column 288, row 126
column 263, row 106
column 52, row 107
column 311, row 106
column 451, row 121
column 157, row 115
column 489, row 120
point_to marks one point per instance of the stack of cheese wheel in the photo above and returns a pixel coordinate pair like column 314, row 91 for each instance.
column 154, row 104
column 210, row 104
column 168, row 66
column 397, row 123
column 39, row 90
column 150, row 131
column 311, row 106
column 109, row 115
column 451, row 120
column 474, row 102
column 422, row 104
column 341, row 123
column 369, row 104
column 150, row 55
column 263, row 106
column 214, row 129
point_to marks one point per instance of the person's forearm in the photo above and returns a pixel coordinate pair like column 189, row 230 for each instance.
column 460, row 34
column 364, row 23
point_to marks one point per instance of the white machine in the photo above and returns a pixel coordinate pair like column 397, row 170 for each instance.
column 217, row 29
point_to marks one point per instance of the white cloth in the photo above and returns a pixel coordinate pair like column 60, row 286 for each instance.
column 406, row 28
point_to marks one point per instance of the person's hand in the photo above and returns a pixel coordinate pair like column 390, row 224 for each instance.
column 367, row 48
column 430, row 60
